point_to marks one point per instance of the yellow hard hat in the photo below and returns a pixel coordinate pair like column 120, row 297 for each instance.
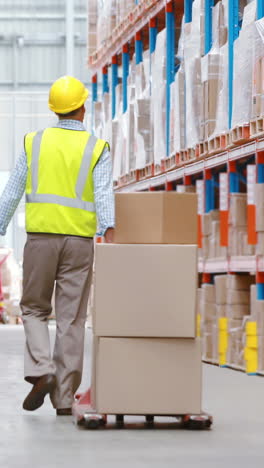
column 67, row 94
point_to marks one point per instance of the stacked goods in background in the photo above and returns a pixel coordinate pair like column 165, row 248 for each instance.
column 92, row 26
column 208, row 324
column 260, row 218
column 199, row 93
column 238, row 231
column 211, row 247
column 11, row 286
column 146, row 357
column 257, row 315
column 231, row 297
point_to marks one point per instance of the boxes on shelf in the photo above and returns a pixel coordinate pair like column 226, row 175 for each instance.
column 238, row 231
column 125, row 376
column 156, row 218
column 211, row 235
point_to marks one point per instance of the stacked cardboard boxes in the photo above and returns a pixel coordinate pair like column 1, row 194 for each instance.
column 257, row 315
column 260, row 218
column 208, row 322
column 238, row 235
column 147, row 359
column 11, row 285
column 211, row 236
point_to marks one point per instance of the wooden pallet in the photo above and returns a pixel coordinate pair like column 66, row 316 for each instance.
column 145, row 172
column 257, row 127
column 201, row 149
column 169, row 163
column 239, row 135
column 217, row 144
column 159, row 168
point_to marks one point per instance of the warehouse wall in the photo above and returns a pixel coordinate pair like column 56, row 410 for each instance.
column 33, row 49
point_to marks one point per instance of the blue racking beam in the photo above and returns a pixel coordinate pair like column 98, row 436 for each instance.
column 139, row 47
column 208, row 38
column 188, row 11
column 105, row 80
column 260, row 9
column 153, row 32
column 170, row 65
column 209, row 191
column 233, row 32
column 94, row 98
column 114, row 67
column 125, row 66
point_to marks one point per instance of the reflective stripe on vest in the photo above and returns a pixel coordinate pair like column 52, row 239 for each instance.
column 81, row 181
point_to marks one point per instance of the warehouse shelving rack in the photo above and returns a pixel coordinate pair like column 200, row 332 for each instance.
column 228, row 153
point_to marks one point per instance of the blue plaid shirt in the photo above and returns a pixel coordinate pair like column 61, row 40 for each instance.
column 103, row 187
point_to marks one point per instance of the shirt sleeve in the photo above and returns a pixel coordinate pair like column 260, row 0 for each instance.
column 104, row 192
column 13, row 192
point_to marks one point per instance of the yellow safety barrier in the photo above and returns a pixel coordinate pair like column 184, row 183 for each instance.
column 222, row 340
column 251, row 348
column 198, row 325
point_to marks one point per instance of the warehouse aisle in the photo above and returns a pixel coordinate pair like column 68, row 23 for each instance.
column 40, row 439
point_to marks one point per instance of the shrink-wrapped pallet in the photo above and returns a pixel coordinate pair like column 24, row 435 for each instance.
column 177, row 116
column 243, row 66
column 158, row 98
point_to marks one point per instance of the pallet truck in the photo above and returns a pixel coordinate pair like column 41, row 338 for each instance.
column 84, row 416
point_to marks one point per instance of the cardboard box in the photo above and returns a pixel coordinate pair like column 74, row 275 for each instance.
column 237, row 297
column 208, row 311
column 259, row 207
column 156, row 218
column 238, row 209
column 260, row 244
column 208, row 293
column 147, row 376
column 240, row 282
column 220, row 289
column 207, row 347
column 221, row 310
column 145, row 290
column 259, row 317
column 237, row 311
column 261, row 353
column 253, row 300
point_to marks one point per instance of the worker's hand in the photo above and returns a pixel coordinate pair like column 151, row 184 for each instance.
column 109, row 236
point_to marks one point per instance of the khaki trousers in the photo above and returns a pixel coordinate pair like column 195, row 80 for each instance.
column 68, row 261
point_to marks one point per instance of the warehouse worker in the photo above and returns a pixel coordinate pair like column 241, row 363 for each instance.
column 67, row 176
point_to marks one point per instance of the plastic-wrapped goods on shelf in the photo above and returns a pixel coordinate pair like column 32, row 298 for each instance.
column 142, row 77
column 130, row 146
column 221, row 125
column 119, row 99
column 235, row 343
column 177, row 116
column 119, row 148
column 123, row 8
column 194, row 31
column 220, row 289
column 211, row 74
column 106, row 20
column 158, row 97
column 143, row 141
column 243, row 66
column 92, row 26
column 258, row 71
column 98, row 119
column 193, row 100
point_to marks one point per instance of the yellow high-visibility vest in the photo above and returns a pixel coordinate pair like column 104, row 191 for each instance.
column 60, row 189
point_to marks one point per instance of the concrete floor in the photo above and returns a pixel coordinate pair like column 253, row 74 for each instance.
column 41, row 440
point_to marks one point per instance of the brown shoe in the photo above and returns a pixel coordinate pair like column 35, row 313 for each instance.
column 64, row 412
column 35, row 399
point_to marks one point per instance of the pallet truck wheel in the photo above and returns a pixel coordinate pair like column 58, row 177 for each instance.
column 119, row 421
column 149, row 420
column 197, row 423
column 92, row 422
